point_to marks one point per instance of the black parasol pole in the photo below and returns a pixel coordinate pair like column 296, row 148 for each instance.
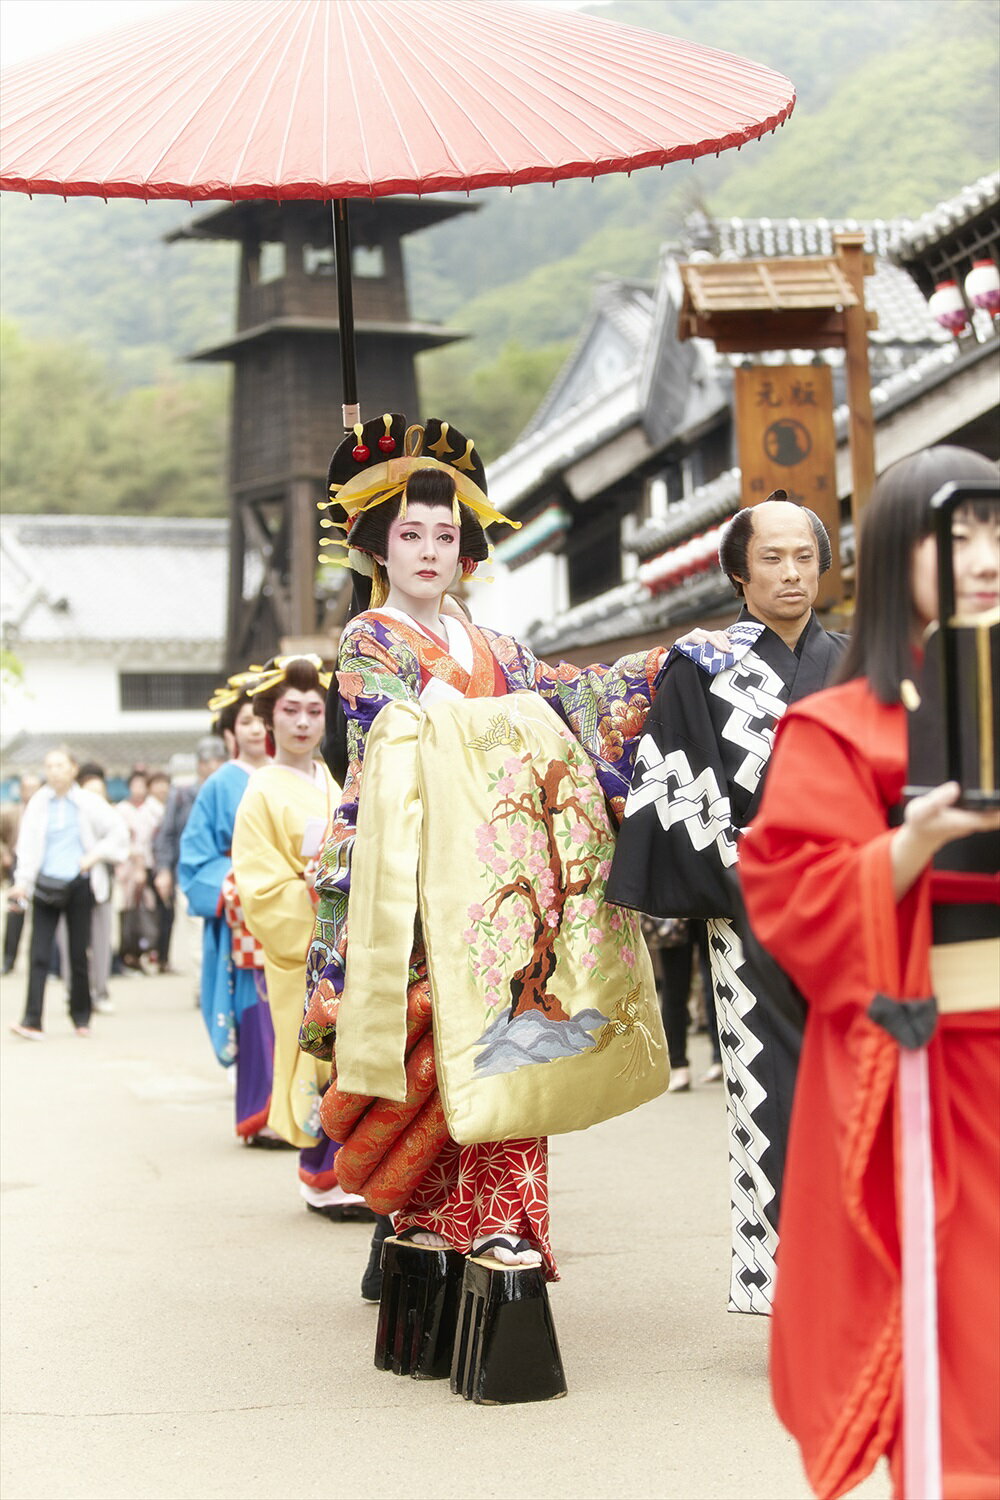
column 345, row 304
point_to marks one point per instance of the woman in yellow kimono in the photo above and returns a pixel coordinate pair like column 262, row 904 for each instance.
column 278, row 834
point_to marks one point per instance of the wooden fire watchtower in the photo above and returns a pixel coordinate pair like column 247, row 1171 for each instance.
column 286, row 397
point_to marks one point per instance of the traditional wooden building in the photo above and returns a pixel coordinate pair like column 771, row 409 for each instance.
column 623, row 482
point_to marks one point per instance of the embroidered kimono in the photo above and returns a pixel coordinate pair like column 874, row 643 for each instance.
column 465, row 1191
column 699, row 775
column 279, row 827
column 233, row 997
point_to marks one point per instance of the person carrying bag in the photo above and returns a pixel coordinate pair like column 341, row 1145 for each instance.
column 67, row 836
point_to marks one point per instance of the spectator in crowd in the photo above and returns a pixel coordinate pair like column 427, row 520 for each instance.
column 66, row 837
column 91, row 778
column 131, row 874
column 210, row 755
column 10, row 823
column 154, row 810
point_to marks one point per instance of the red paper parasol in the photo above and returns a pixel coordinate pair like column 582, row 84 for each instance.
column 338, row 99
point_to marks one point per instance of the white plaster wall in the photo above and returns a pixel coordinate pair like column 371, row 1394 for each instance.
column 69, row 691
column 517, row 599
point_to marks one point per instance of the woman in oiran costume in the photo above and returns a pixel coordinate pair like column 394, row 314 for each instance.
column 416, row 510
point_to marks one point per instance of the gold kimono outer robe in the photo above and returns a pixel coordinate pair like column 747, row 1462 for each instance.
column 278, row 810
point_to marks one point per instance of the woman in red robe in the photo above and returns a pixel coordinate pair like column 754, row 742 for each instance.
column 858, row 899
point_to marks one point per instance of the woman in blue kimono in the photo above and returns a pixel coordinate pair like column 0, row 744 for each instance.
column 233, row 992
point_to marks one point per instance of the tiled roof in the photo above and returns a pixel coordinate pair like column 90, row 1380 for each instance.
column 711, row 502
column 743, row 239
column 903, row 314
column 902, row 310
column 706, row 505
column 628, row 307
column 948, row 215
column 633, row 611
column 101, row 578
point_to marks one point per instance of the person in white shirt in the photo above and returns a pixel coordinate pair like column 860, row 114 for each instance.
column 67, row 838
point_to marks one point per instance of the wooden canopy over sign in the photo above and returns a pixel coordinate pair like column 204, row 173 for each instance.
column 802, row 302
column 746, row 306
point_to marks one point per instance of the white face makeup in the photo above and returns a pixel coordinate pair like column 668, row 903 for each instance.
column 422, row 556
column 298, row 723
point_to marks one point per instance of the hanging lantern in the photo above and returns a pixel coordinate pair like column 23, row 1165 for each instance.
column 982, row 286
column 947, row 306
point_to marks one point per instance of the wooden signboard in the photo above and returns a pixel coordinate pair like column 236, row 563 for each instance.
column 784, row 429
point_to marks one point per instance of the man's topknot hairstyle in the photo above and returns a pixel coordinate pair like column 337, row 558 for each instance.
column 736, row 541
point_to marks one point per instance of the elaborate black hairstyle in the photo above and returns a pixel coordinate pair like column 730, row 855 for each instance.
column 382, row 464
column 896, row 518
column 736, row 540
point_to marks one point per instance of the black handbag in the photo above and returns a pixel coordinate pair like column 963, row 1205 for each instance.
column 53, row 892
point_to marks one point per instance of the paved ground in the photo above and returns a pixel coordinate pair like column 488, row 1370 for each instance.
column 176, row 1325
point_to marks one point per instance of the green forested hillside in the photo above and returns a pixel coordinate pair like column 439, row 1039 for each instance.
column 896, row 109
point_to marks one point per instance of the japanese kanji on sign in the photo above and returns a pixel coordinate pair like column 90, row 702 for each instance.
column 784, row 427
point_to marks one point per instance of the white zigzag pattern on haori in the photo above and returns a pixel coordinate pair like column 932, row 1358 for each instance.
column 755, row 692
column 668, row 783
column 754, row 1241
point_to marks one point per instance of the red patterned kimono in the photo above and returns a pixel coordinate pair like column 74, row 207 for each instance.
column 817, row 878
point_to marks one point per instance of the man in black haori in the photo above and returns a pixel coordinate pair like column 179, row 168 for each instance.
column 698, row 779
